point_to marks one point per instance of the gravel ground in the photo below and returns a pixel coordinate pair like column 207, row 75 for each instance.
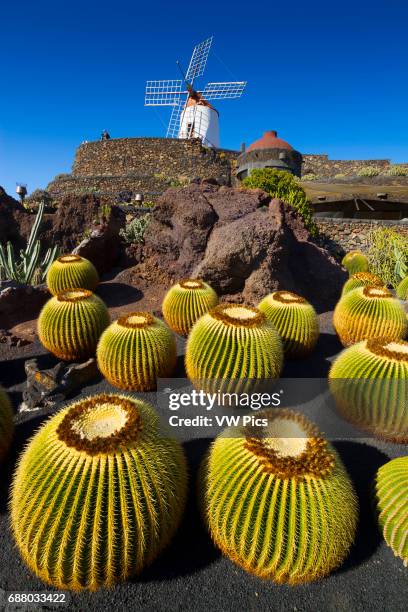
column 191, row 574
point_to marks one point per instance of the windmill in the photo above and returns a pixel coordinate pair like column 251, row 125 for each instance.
column 192, row 114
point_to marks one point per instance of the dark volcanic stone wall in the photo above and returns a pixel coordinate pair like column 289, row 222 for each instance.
column 324, row 167
column 143, row 164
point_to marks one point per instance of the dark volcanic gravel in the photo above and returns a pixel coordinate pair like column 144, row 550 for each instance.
column 192, row 575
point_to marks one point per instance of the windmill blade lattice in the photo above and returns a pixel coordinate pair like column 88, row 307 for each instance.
column 198, row 60
column 174, row 123
column 162, row 93
column 222, row 91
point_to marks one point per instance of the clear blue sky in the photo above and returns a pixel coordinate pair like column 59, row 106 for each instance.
column 331, row 77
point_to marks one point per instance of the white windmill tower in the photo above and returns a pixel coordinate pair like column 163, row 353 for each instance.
column 193, row 116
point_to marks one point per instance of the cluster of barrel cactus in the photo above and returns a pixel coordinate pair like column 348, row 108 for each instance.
column 233, row 346
column 369, row 312
column 71, row 272
column 98, row 493
column 135, row 350
column 70, row 324
column 279, row 502
column 369, row 381
column 295, row 319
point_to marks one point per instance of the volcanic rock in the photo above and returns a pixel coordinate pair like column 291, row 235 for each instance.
column 241, row 242
column 19, row 302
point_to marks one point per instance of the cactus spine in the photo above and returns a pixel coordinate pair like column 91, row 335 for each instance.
column 70, row 272
column 6, row 423
column 187, row 301
column 369, row 312
column 295, row 319
column 233, row 346
column 135, row 350
column 70, row 324
column 361, row 279
column 391, row 489
column 369, row 381
column 278, row 500
column 355, row 261
column 98, row 493
column 402, row 289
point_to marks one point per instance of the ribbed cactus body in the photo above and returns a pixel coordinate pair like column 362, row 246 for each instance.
column 391, row 489
column 187, row 301
column 233, row 346
column 402, row 289
column 369, row 312
column 97, row 493
column 71, row 272
column 295, row 319
column 70, row 324
column 355, row 261
column 136, row 350
column 6, row 423
column 361, row 279
column 369, row 381
column 278, row 500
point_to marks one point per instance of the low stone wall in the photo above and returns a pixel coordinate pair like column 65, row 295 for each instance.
column 324, row 167
column 343, row 235
column 147, row 165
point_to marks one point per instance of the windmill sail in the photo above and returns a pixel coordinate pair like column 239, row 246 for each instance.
column 192, row 115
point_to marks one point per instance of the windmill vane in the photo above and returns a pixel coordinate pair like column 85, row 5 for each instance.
column 192, row 115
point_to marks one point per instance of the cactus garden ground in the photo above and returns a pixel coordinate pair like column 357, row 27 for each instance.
column 192, row 574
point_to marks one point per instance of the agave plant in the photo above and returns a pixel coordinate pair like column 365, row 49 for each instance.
column 23, row 269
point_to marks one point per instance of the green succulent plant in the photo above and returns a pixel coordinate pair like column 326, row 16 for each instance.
column 361, row 279
column 187, row 301
column 6, row 423
column 369, row 312
column 233, row 346
column 368, row 171
column 98, row 493
column 278, row 500
column 402, row 289
column 369, row 381
column 71, row 322
column 71, row 272
column 355, row 261
column 295, row 319
column 135, row 351
column 391, row 491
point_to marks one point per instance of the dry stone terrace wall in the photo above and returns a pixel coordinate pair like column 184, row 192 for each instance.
column 149, row 165
column 342, row 235
column 324, row 167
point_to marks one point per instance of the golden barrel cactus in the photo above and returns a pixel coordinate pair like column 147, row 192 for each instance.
column 233, row 346
column 369, row 312
column 71, row 272
column 295, row 319
column 6, row 423
column 70, row 324
column 369, row 381
column 277, row 499
column 98, row 493
column 355, row 261
column 361, row 279
column 187, row 301
column 135, row 351
column 391, row 492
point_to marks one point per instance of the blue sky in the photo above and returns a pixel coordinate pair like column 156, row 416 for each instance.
column 330, row 77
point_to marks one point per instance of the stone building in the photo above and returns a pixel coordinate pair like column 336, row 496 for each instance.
column 269, row 152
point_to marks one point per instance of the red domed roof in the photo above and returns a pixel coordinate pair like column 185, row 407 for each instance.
column 270, row 140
